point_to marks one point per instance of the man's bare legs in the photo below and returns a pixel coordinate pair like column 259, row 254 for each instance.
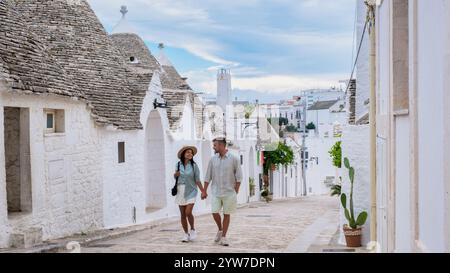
column 225, row 224
column 218, row 220
column 222, row 226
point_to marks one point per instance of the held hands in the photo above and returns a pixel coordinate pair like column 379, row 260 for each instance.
column 236, row 187
column 204, row 195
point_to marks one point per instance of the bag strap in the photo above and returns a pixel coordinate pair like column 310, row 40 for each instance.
column 178, row 169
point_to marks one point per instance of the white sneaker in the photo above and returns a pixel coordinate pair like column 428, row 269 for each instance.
column 224, row 241
column 186, row 238
column 218, row 236
column 192, row 235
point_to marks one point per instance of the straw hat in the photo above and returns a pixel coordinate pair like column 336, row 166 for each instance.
column 181, row 151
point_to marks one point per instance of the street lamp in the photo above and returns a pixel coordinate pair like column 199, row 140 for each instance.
column 248, row 124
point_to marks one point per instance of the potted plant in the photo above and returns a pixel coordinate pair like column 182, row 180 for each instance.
column 252, row 186
column 311, row 126
column 336, row 156
column 265, row 193
column 353, row 230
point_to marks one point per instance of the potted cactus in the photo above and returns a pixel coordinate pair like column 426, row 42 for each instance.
column 353, row 230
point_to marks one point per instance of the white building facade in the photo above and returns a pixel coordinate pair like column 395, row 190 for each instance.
column 413, row 117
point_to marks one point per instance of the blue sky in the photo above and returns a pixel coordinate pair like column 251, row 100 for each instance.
column 273, row 48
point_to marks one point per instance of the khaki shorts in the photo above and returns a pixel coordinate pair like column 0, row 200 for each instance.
column 228, row 203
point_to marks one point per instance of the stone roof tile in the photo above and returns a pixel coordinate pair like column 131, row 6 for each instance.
column 25, row 64
column 73, row 35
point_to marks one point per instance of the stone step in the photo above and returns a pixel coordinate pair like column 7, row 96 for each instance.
column 26, row 238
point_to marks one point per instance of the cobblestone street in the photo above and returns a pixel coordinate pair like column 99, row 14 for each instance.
column 293, row 225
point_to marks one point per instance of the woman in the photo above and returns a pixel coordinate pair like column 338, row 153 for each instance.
column 188, row 175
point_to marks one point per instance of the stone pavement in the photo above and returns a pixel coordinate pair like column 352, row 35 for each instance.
column 290, row 225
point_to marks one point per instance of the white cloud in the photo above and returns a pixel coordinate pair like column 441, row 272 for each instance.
column 264, row 56
column 205, row 81
column 286, row 83
column 202, row 51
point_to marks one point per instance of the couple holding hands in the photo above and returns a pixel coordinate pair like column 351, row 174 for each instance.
column 224, row 174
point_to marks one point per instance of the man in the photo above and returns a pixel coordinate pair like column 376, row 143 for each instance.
column 225, row 175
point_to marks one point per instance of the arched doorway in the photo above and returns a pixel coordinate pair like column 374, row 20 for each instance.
column 155, row 178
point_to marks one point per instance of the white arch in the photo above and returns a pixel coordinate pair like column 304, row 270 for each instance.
column 155, row 170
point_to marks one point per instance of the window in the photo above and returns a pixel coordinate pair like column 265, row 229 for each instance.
column 242, row 160
column 121, row 147
column 133, row 60
column 50, row 118
column 54, row 121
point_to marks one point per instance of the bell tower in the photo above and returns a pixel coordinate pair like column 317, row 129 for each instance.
column 224, row 89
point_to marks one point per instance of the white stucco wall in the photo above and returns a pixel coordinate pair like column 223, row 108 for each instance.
column 316, row 174
column 355, row 146
column 65, row 171
column 383, row 87
column 403, row 186
column 362, row 67
column 123, row 183
column 431, row 78
column 446, row 101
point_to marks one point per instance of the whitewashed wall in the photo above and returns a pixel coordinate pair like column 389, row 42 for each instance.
column 362, row 68
column 318, row 147
column 446, row 101
column 432, row 17
column 65, row 171
column 403, row 186
column 355, row 146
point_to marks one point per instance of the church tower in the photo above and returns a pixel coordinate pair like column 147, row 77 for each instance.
column 224, row 97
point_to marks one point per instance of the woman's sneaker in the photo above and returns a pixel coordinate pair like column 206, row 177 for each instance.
column 186, row 238
column 218, row 236
column 224, row 241
column 192, row 235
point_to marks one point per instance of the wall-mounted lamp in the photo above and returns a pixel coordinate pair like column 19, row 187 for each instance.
column 157, row 104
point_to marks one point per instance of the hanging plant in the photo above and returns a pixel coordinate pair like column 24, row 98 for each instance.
column 282, row 155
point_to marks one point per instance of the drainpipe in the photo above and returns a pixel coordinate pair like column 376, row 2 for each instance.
column 371, row 4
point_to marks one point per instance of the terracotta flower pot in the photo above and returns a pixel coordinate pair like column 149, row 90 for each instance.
column 353, row 236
